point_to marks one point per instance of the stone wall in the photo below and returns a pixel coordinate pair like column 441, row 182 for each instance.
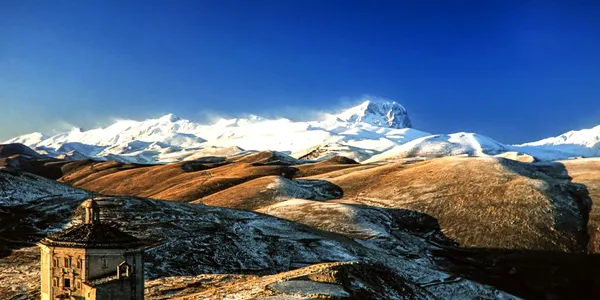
column 95, row 263
column 53, row 275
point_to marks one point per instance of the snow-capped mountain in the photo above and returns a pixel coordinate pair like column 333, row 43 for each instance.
column 375, row 130
column 384, row 114
column 367, row 129
column 576, row 143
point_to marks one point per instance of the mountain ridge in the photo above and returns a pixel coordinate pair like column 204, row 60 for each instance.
column 372, row 131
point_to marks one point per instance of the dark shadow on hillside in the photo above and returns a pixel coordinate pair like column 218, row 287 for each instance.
column 558, row 182
column 47, row 168
column 21, row 226
column 10, row 150
column 530, row 274
column 535, row 274
column 203, row 164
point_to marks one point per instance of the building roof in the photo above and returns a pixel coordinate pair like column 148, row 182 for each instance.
column 92, row 234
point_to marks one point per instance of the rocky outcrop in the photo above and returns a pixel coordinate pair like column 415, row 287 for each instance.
column 379, row 113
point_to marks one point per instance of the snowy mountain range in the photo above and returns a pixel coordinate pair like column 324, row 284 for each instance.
column 375, row 130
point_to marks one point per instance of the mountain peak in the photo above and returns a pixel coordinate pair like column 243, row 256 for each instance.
column 170, row 118
column 378, row 112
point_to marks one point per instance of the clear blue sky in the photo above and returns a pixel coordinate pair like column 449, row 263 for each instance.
column 514, row 70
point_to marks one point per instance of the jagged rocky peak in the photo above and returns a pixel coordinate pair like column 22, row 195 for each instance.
column 384, row 113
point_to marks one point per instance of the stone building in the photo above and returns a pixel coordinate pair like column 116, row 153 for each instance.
column 91, row 261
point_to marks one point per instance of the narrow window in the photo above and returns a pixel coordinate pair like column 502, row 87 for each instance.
column 104, row 263
column 78, row 284
column 79, row 263
column 55, row 281
column 67, row 283
column 55, row 262
column 66, row 261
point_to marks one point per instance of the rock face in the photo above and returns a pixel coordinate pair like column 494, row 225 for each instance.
column 379, row 113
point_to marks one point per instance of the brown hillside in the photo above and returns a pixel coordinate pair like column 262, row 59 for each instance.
column 177, row 181
column 264, row 157
column 587, row 171
column 264, row 191
column 181, row 181
column 187, row 181
column 330, row 165
column 481, row 202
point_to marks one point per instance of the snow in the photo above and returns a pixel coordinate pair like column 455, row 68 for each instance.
column 374, row 125
column 305, row 288
column 17, row 188
column 581, row 143
column 28, row 139
column 440, row 145
column 302, row 189
column 382, row 113
column 589, row 138
column 374, row 130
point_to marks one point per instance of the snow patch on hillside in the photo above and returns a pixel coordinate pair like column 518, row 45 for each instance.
column 441, row 145
column 18, row 188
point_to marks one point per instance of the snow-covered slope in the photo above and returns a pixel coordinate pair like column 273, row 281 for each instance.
column 18, row 188
column 589, row 138
column 359, row 132
column 440, row 145
column 28, row 139
column 576, row 143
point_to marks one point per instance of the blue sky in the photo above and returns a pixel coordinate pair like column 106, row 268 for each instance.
column 514, row 70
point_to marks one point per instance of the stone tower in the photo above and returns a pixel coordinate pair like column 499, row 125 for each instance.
column 91, row 261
